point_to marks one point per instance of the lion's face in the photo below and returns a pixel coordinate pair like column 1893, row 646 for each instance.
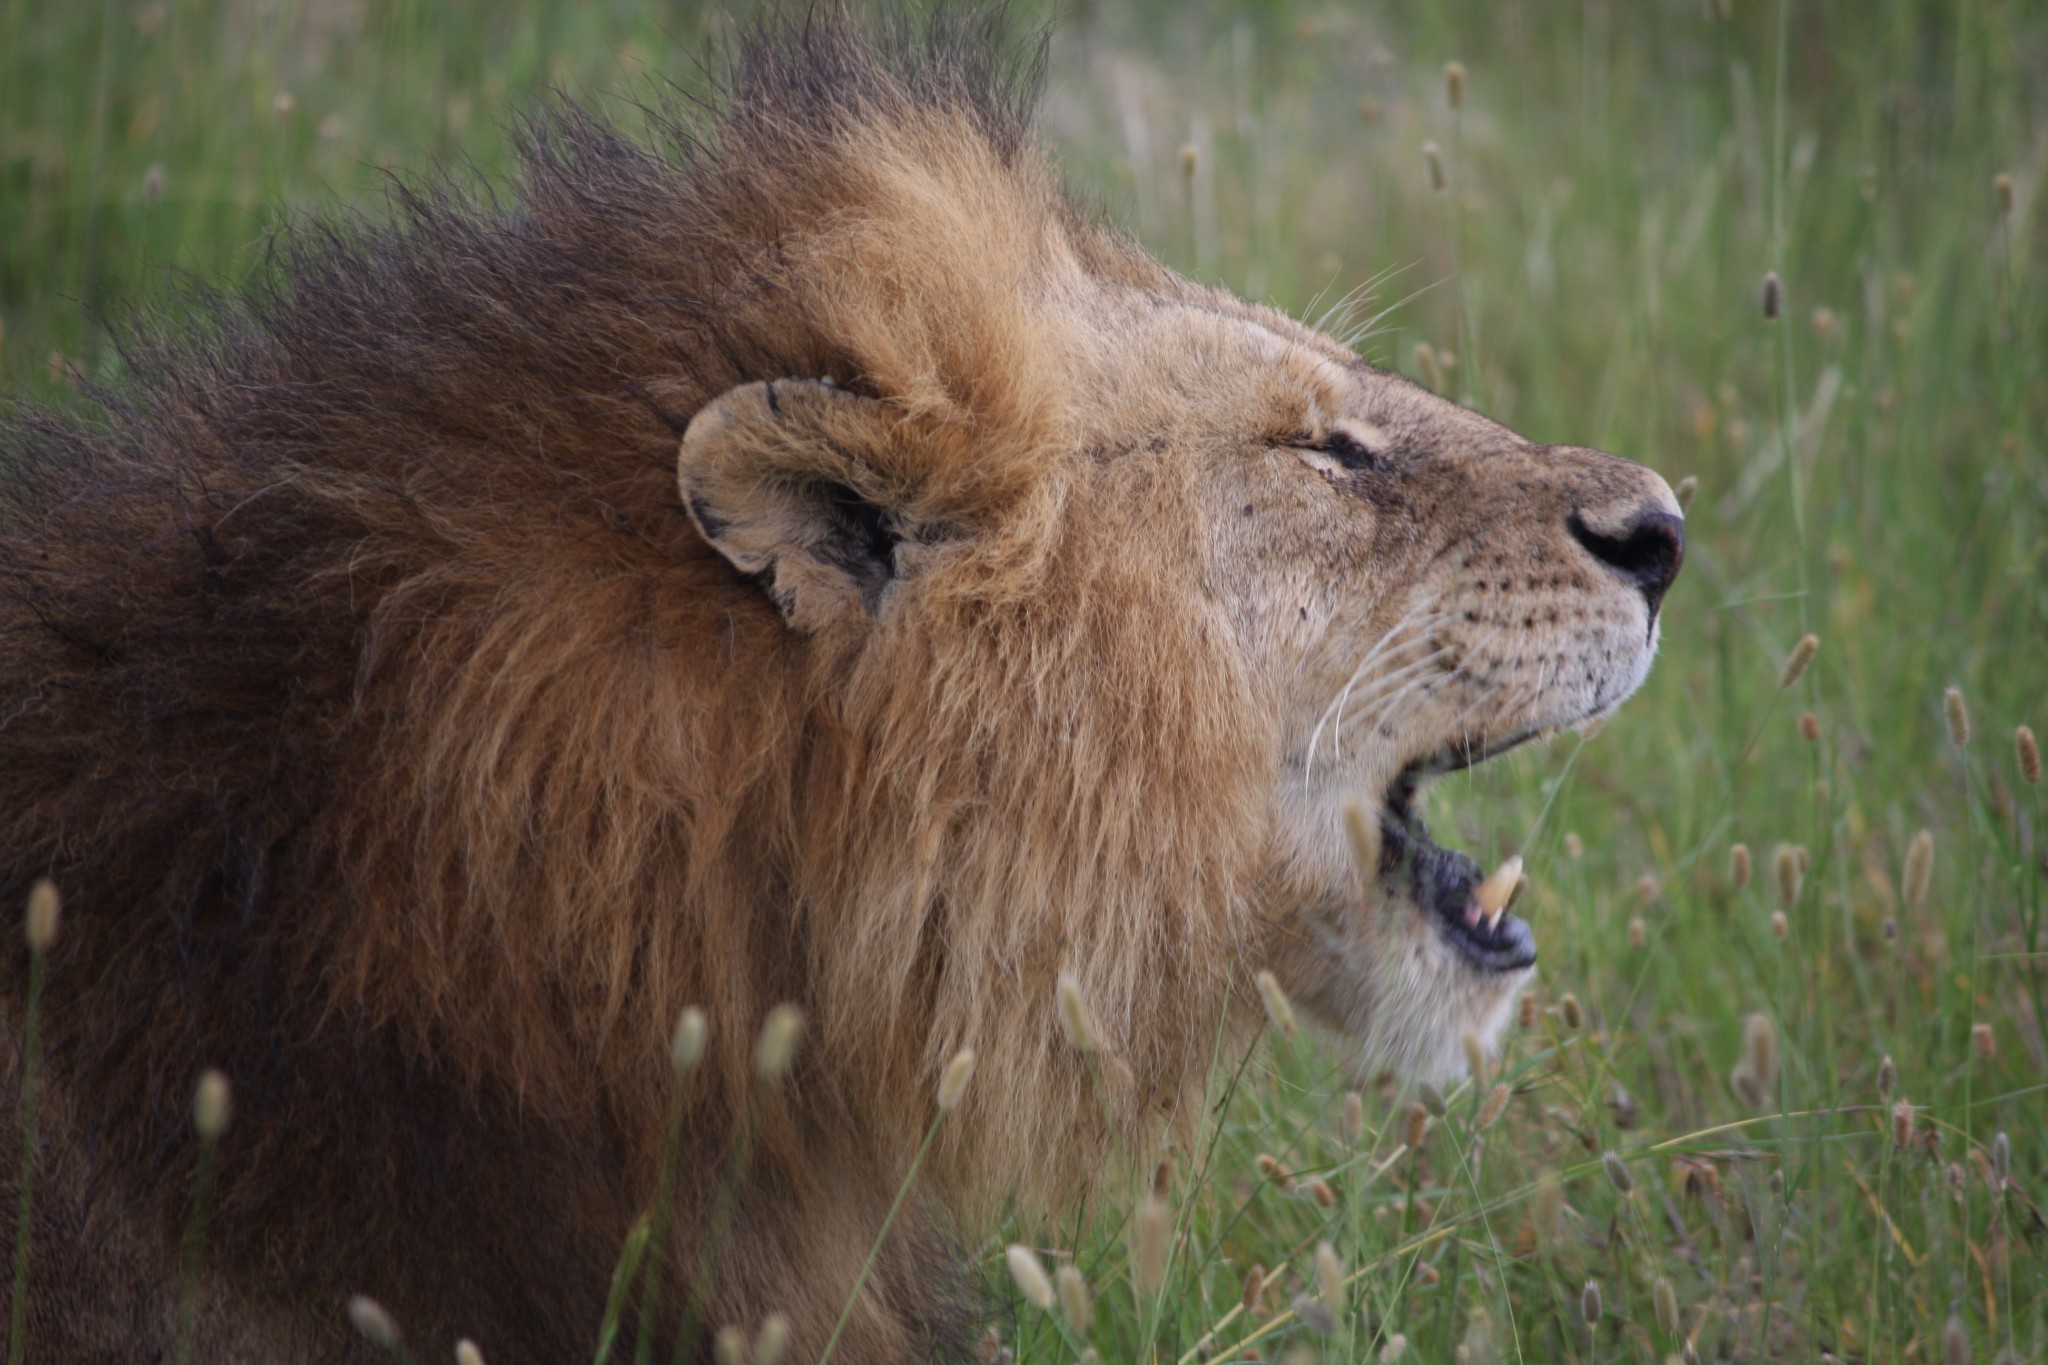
column 1187, row 554
column 1418, row 590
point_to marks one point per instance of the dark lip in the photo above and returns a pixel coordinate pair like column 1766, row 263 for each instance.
column 1442, row 880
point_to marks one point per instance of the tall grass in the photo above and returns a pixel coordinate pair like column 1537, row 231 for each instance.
column 1872, row 468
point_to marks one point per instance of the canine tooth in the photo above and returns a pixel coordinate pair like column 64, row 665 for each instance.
column 1493, row 893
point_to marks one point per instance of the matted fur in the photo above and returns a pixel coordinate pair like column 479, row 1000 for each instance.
column 404, row 749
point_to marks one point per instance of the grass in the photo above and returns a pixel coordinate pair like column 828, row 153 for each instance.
column 1872, row 468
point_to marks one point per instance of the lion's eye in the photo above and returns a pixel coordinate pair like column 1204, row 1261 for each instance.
column 1346, row 447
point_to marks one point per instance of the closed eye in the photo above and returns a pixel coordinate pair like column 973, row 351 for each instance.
column 1346, row 447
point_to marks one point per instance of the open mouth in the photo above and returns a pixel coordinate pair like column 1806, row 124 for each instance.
column 1443, row 881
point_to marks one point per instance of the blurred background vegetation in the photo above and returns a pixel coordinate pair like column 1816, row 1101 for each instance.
column 1573, row 239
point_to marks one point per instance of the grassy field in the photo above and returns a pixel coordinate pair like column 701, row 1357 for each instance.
column 1871, row 466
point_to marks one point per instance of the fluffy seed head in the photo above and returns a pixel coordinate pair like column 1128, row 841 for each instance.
column 1638, row 932
column 1574, row 846
column 1354, row 1117
column 1074, row 1016
column 686, row 1046
column 1688, row 487
column 1190, row 161
column 776, row 1047
column 1957, row 712
column 1029, row 1273
column 1254, row 1287
column 729, row 1347
column 1618, row 1173
column 1434, row 160
column 1329, row 1277
column 1773, row 296
column 1744, row 1083
column 1902, row 1122
column 1278, row 1011
column 212, row 1105
column 1547, row 1209
column 2001, row 193
column 1886, row 1075
column 1325, row 1194
column 1589, row 1303
column 1476, row 1064
column 1526, row 1010
column 1790, row 874
column 1919, row 871
column 372, row 1323
column 1496, row 1104
column 1075, row 1305
column 1955, row 1340
column 1983, row 1041
column 1760, row 1049
column 953, row 1081
column 1312, row 1315
column 43, row 905
column 467, row 1352
column 1148, row 1252
column 1739, row 867
column 1797, row 661
column 1809, row 727
column 1417, row 1130
column 1823, row 322
column 2028, row 751
column 1393, row 1349
column 2001, row 1157
column 1568, row 1006
column 1666, row 1299
column 1780, row 926
column 771, row 1343
column 1454, row 84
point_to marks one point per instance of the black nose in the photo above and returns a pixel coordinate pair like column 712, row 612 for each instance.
column 1647, row 552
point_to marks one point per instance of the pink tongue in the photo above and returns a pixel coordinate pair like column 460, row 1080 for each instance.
column 1472, row 914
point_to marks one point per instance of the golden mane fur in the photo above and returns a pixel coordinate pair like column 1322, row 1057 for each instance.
column 406, row 748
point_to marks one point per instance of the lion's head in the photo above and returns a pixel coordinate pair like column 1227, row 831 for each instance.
column 813, row 561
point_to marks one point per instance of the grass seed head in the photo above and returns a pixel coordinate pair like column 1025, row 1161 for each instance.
column 729, row 1347
column 1324, row 1193
column 1148, row 1254
column 2001, row 193
column 1568, row 1006
column 1957, row 712
column 1547, row 1210
column 1476, row 1064
column 953, row 1081
column 1329, row 1277
column 1454, row 84
column 1823, row 322
column 775, row 1049
column 1618, row 1173
column 1354, row 1117
column 1809, row 727
column 1430, row 1098
column 1740, row 869
column 212, row 1105
column 1638, row 932
column 1666, row 1300
column 40, row 928
column 1075, row 1305
column 1190, row 162
column 771, row 1343
column 1279, row 1012
column 2001, row 1157
column 468, row 1352
column 1742, row 1080
column 1688, row 487
column 1574, row 846
column 1496, row 1104
column 1074, row 1017
column 686, row 1045
column 1589, row 1303
column 1955, row 1340
column 2028, row 751
column 1760, row 1049
column 1393, row 1349
column 372, row 1323
column 1902, row 1122
column 1417, row 1131
column 1434, row 160
column 1526, row 1010
column 1983, row 1041
column 1254, row 1289
column 1029, row 1273
column 1919, row 872
column 1780, row 926
column 1790, row 875
column 1798, row 660
column 1773, row 296
column 1311, row 1314
column 1887, row 1074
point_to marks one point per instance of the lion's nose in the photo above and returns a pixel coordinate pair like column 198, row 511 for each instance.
column 1647, row 552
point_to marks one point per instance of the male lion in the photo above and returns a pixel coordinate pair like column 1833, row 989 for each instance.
column 413, row 736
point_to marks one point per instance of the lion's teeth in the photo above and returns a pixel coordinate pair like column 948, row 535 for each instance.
column 1493, row 894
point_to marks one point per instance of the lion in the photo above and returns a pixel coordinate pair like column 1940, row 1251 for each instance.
column 808, row 560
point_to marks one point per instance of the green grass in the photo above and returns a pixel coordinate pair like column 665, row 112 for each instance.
column 1621, row 177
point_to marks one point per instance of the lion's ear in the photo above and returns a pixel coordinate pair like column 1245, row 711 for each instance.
column 781, row 479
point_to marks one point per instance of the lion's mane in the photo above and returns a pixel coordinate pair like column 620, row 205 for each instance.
column 402, row 750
